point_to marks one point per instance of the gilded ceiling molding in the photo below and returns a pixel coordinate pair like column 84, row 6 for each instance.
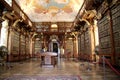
column 33, row 35
column 4, row 15
column 75, row 34
column 89, row 16
column 54, row 37
column 15, row 23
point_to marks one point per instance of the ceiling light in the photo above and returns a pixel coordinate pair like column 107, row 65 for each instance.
column 54, row 26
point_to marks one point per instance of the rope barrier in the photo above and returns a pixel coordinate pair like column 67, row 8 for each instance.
column 111, row 67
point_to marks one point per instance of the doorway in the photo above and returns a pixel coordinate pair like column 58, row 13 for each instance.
column 55, row 47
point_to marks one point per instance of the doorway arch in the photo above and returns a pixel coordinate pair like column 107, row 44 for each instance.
column 54, row 46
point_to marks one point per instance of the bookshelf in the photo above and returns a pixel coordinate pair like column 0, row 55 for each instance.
column 104, row 35
column 82, row 44
column 116, row 30
column 87, row 43
column 15, row 43
column 22, row 44
column 27, row 47
column 79, row 44
column 38, row 46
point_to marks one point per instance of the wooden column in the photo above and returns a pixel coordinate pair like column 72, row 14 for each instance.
column 84, row 46
column 80, row 48
column 31, row 46
column 75, row 48
column 8, row 37
column 9, row 58
column 111, row 37
column 20, row 46
column 64, row 46
column 0, row 30
column 25, row 45
column 92, row 41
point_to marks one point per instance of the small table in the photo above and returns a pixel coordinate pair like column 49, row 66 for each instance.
column 48, row 58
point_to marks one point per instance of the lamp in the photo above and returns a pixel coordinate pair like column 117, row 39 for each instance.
column 54, row 26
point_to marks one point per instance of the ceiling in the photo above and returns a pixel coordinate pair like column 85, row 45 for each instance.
column 41, row 15
column 50, row 10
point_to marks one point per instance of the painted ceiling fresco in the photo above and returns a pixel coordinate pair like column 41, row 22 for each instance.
column 51, row 10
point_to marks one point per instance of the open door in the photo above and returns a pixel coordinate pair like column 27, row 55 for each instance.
column 55, row 47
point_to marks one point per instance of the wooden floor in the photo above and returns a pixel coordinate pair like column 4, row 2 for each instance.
column 87, row 71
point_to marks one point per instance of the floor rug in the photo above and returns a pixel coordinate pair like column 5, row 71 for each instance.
column 25, row 77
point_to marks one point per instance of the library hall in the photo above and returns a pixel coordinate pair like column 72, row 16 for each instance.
column 59, row 39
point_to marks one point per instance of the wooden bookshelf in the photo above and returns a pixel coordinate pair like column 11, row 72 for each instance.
column 22, row 47
column 15, row 43
column 38, row 46
column 15, row 46
column 87, row 43
column 22, row 44
column 27, row 47
column 116, row 31
column 104, row 35
column 82, row 44
column 79, row 46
